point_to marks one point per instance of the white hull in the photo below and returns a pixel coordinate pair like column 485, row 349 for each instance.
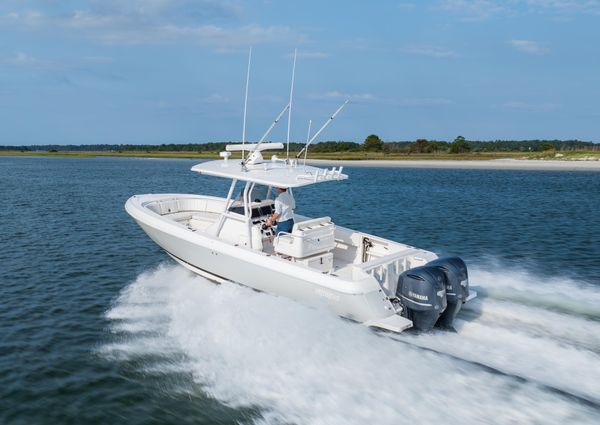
column 359, row 295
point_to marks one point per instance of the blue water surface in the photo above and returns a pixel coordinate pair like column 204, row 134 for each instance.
column 68, row 248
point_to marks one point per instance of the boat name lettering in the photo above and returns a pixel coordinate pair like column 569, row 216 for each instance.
column 327, row 294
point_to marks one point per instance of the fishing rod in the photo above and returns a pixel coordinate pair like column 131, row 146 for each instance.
column 299, row 154
column 307, row 139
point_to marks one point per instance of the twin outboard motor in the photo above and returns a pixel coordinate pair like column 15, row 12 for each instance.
column 422, row 291
column 433, row 294
column 457, row 287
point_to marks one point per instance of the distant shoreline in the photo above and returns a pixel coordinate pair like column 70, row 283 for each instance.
column 494, row 164
column 470, row 162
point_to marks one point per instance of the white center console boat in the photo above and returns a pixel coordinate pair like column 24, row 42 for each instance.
column 362, row 277
column 366, row 278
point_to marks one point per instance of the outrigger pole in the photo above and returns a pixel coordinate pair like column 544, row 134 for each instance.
column 246, row 101
column 307, row 139
column 271, row 127
column 273, row 124
column 290, row 105
column 299, row 154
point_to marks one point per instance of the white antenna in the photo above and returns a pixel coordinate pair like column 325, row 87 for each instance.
column 246, row 100
column 290, row 106
column 307, row 139
column 321, row 129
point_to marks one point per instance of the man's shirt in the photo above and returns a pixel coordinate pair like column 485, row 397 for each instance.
column 284, row 206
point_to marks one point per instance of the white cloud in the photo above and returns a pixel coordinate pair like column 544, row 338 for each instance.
column 21, row 59
column 477, row 10
column 215, row 98
column 473, row 10
column 24, row 60
column 370, row 98
column 569, row 6
column 54, row 70
column 83, row 20
column 167, row 10
column 227, row 38
column 431, row 51
column 152, row 22
column 529, row 46
column 406, row 5
column 533, row 107
column 337, row 95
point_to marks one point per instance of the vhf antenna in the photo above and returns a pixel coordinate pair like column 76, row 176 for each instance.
column 246, row 101
column 290, row 106
column 299, row 154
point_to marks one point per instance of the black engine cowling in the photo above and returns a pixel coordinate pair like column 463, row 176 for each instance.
column 457, row 286
column 422, row 291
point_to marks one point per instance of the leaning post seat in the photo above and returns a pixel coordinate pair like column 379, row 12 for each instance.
column 308, row 238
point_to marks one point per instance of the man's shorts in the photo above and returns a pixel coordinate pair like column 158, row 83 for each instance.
column 285, row 226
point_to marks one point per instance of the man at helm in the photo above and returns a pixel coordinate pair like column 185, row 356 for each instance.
column 284, row 211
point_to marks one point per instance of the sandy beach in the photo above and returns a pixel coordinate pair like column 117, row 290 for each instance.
column 497, row 164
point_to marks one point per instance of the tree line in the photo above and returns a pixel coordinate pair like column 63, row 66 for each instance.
column 462, row 145
column 372, row 143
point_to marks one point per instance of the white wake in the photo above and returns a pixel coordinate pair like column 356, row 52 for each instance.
column 305, row 366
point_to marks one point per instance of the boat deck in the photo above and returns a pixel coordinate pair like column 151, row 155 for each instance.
column 351, row 256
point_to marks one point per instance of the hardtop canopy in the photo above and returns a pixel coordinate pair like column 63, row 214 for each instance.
column 270, row 173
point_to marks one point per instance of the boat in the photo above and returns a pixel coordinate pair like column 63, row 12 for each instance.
column 359, row 276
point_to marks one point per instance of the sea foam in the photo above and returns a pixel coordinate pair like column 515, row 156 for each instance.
column 508, row 362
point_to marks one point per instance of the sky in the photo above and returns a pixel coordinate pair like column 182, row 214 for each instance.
column 174, row 71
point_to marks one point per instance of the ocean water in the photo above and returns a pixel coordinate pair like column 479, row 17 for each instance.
column 98, row 326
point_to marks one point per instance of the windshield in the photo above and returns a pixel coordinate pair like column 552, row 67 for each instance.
column 259, row 193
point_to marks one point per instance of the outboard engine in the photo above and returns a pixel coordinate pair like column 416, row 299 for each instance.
column 422, row 291
column 457, row 286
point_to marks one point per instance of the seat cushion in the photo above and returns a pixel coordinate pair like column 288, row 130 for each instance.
column 308, row 238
